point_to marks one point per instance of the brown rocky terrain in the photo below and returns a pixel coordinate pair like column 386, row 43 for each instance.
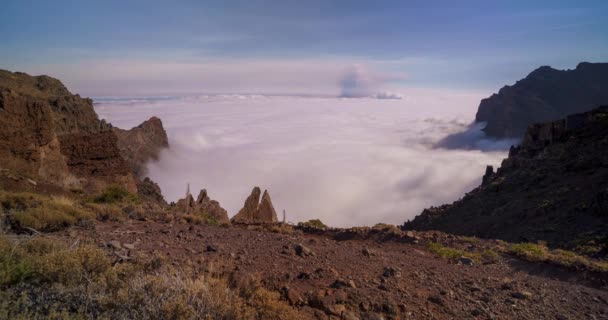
column 142, row 143
column 332, row 276
column 553, row 187
column 55, row 137
column 545, row 94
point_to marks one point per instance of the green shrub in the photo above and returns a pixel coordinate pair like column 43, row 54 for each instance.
column 530, row 251
column 445, row 252
column 47, row 278
column 42, row 213
column 313, row 223
column 115, row 194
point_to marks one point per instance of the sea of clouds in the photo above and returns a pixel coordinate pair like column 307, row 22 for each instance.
column 347, row 161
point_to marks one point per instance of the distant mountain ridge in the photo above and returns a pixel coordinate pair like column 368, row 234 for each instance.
column 545, row 94
column 554, row 187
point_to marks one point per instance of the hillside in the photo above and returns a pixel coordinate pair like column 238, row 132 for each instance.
column 553, row 187
column 546, row 94
column 52, row 136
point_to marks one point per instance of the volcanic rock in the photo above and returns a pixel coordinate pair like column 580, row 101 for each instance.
column 202, row 206
column 553, row 187
column 142, row 144
column 254, row 211
column 56, row 137
column 545, row 94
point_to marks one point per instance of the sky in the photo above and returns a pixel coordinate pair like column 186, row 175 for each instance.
column 132, row 48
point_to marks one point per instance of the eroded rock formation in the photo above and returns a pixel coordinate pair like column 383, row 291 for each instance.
column 256, row 211
column 545, row 94
column 56, row 137
column 142, row 144
column 203, row 206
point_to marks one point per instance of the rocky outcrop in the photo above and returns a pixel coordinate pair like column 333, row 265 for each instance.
column 545, row 94
column 56, row 137
column 203, row 206
column 150, row 191
column 553, row 187
column 142, row 144
column 256, row 211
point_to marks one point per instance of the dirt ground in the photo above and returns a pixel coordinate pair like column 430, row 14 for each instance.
column 365, row 279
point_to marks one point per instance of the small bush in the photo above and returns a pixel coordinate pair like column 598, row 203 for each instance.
column 200, row 218
column 489, row 256
column 529, row 251
column 106, row 212
column 446, row 252
column 115, row 194
column 313, row 223
column 387, row 228
column 83, row 283
column 469, row 239
column 28, row 210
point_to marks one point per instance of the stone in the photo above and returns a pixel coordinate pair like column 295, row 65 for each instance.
column 521, row 295
column 115, row 244
column 391, row 272
column 465, row 261
column 372, row 316
column 303, row 251
column 129, row 246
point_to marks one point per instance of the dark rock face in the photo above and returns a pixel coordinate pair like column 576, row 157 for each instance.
column 142, row 143
column 203, row 206
column 546, row 94
column 255, row 211
column 56, row 137
column 553, row 187
column 150, row 190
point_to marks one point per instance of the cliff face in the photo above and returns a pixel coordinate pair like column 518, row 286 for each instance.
column 553, row 187
column 142, row 144
column 53, row 136
column 545, row 94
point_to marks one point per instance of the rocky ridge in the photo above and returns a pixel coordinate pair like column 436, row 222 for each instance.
column 53, row 136
column 553, row 187
column 545, row 94
column 142, row 143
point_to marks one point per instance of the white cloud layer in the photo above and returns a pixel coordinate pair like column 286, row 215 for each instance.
column 345, row 161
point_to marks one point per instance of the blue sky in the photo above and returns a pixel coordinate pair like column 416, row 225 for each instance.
column 148, row 47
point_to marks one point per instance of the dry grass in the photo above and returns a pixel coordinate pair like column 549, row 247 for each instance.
column 46, row 278
column 313, row 224
column 43, row 213
column 540, row 253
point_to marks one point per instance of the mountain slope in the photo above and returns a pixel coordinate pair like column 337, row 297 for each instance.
column 546, row 94
column 553, row 187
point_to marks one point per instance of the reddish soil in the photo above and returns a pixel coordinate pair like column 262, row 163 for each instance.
column 394, row 281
